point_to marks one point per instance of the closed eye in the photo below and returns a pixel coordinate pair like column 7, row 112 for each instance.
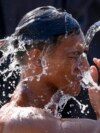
column 74, row 54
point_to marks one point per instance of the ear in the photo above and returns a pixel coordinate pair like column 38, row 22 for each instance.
column 35, row 55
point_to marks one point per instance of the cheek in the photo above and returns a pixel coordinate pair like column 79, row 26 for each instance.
column 70, row 68
column 75, row 68
column 73, row 82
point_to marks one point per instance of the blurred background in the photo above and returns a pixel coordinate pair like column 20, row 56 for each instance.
column 85, row 11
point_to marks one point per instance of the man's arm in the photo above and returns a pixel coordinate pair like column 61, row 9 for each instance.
column 80, row 126
column 53, row 125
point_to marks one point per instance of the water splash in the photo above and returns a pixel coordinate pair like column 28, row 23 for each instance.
column 59, row 101
column 88, row 82
column 12, row 64
column 81, row 106
column 91, row 32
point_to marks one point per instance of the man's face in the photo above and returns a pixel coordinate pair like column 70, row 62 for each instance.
column 66, row 64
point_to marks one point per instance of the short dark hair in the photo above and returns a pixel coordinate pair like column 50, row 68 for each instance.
column 44, row 23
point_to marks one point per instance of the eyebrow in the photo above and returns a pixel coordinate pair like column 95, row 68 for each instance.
column 75, row 52
column 80, row 48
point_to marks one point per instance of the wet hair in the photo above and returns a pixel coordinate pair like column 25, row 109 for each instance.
column 43, row 26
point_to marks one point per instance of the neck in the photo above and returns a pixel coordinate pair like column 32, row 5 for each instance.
column 32, row 93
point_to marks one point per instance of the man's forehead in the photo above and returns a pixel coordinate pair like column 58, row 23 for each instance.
column 79, row 47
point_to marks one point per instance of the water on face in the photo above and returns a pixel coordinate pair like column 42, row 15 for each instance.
column 87, row 81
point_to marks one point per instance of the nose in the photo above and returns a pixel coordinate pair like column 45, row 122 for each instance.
column 83, row 63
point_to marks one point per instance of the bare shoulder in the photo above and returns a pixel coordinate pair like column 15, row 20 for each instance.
column 15, row 119
column 27, row 120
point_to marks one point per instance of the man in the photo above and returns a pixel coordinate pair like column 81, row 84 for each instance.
column 7, row 26
column 50, row 48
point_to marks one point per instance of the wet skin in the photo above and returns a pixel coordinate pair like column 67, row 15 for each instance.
column 25, row 114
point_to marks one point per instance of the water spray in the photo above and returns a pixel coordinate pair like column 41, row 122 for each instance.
column 91, row 32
